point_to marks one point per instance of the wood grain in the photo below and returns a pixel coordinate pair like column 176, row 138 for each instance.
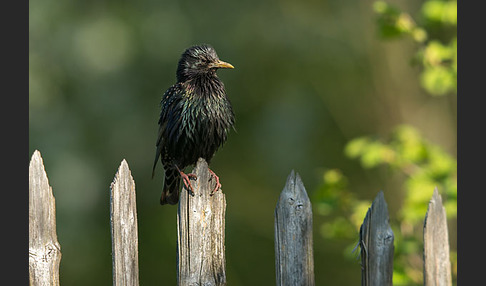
column 201, row 232
column 294, row 259
column 44, row 248
column 124, row 228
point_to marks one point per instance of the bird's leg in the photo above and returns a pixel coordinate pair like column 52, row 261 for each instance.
column 187, row 181
column 218, row 184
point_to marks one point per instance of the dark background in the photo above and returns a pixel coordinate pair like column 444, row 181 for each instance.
column 309, row 76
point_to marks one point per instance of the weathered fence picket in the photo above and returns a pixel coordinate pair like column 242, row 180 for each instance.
column 376, row 242
column 294, row 258
column 200, row 230
column 201, row 234
column 44, row 249
column 124, row 229
column 437, row 265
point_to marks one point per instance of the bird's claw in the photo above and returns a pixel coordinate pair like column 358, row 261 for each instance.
column 218, row 184
column 187, row 181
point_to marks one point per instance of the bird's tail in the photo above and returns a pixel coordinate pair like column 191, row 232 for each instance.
column 172, row 186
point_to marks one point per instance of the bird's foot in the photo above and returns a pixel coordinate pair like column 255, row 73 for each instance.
column 218, row 184
column 186, row 178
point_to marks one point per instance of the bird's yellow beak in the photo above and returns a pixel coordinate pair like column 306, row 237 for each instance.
column 223, row 65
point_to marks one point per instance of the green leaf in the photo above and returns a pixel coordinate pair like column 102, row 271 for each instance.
column 436, row 53
column 440, row 11
column 356, row 147
column 439, row 80
column 391, row 22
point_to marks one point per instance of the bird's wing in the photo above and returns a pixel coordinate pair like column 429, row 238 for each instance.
column 158, row 150
column 169, row 101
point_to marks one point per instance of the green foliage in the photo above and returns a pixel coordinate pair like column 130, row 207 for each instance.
column 438, row 60
column 440, row 67
column 443, row 12
column 333, row 199
column 424, row 165
column 392, row 23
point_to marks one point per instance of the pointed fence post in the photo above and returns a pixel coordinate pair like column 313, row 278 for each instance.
column 44, row 249
column 124, row 229
column 376, row 242
column 200, row 232
column 294, row 258
column 437, row 264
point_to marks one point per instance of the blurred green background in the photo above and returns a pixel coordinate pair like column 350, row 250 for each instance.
column 310, row 76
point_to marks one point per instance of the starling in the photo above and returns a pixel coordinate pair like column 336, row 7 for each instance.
column 195, row 118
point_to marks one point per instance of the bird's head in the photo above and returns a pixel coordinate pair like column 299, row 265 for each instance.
column 199, row 60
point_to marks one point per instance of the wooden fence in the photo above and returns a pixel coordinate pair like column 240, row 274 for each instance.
column 201, row 229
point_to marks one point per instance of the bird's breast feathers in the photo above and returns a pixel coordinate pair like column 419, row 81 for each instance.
column 195, row 116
